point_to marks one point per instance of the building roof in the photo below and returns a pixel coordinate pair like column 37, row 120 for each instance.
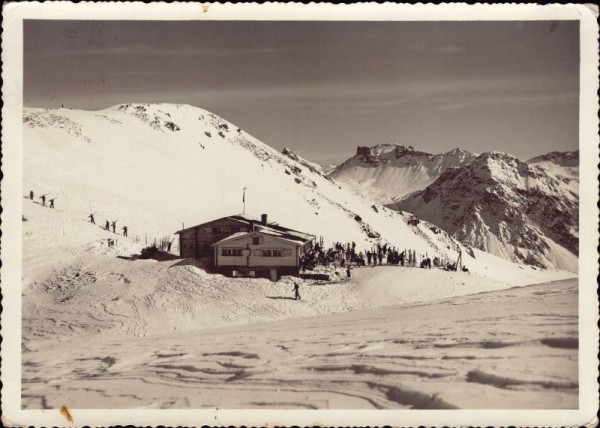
column 263, row 232
column 233, row 217
column 282, row 232
column 230, row 238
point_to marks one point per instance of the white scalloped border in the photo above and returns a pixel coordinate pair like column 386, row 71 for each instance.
column 10, row 327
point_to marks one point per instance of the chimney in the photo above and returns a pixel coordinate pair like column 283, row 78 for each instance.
column 263, row 219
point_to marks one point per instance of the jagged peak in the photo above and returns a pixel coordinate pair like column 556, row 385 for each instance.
column 459, row 151
column 318, row 169
column 497, row 155
column 399, row 150
column 289, row 152
column 125, row 106
column 388, row 150
column 561, row 157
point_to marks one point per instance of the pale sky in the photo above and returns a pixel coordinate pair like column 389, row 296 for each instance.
column 324, row 88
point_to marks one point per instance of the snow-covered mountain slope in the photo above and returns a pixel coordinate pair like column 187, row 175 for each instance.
column 564, row 166
column 156, row 167
column 388, row 172
column 509, row 208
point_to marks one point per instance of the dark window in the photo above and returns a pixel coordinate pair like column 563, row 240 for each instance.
column 235, row 229
column 216, row 230
column 235, row 252
column 273, row 253
column 256, row 240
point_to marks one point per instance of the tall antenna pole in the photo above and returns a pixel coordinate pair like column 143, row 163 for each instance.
column 244, row 201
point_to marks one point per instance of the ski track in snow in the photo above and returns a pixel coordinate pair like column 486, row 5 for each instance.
column 500, row 349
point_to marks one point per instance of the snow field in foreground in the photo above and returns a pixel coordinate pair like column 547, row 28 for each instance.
column 513, row 348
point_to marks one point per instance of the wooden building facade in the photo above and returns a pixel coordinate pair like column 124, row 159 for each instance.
column 265, row 254
column 196, row 241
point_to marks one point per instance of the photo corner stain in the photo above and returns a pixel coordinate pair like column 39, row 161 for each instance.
column 66, row 413
column 205, row 7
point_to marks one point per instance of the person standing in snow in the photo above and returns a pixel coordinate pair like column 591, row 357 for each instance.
column 114, row 226
column 51, row 203
column 107, row 225
column 348, row 273
column 31, row 195
column 296, row 291
column 91, row 217
column 124, row 230
column 169, row 246
column 43, row 198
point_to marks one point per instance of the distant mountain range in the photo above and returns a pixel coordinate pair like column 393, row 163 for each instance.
column 526, row 212
column 388, row 172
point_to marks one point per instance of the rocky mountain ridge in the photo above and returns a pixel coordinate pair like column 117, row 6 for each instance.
column 388, row 172
column 507, row 207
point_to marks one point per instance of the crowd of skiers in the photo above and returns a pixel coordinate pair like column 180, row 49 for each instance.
column 113, row 225
column 91, row 216
column 343, row 255
column 108, row 225
column 43, row 199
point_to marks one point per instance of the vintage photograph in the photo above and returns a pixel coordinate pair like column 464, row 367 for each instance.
column 301, row 214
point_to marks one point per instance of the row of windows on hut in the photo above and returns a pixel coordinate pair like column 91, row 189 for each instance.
column 206, row 245
column 274, row 252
